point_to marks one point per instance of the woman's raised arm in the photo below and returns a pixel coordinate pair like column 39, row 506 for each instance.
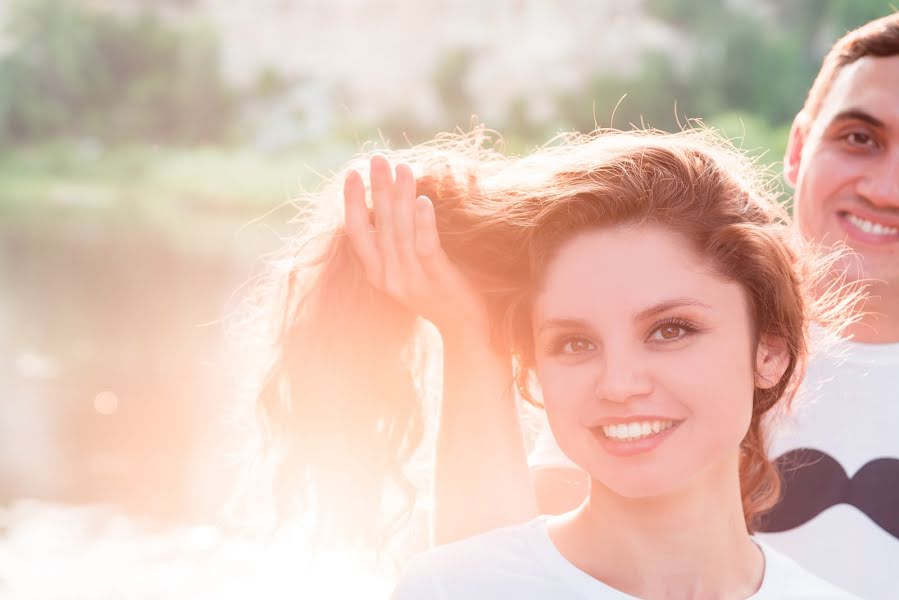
column 482, row 479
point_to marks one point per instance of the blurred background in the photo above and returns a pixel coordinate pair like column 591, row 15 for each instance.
column 149, row 150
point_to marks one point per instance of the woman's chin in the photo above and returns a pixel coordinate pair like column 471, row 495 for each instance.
column 640, row 487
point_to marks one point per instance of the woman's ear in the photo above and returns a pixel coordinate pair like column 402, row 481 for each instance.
column 771, row 359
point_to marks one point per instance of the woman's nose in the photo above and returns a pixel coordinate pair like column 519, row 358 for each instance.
column 622, row 377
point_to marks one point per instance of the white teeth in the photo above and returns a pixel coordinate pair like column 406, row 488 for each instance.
column 870, row 227
column 637, row 430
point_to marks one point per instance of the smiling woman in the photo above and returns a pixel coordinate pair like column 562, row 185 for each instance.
column 651, row 297
column 640, row 355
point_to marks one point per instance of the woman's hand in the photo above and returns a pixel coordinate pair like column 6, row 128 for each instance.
column 402, row 255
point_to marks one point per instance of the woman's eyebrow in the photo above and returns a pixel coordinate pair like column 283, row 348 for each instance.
column 667, row 305
column 563, row 324
column 644, row 314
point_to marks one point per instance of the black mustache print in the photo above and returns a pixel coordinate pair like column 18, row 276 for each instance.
column 813, row 481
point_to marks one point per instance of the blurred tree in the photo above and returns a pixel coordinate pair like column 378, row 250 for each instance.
column 450, row 83
column 689, row 14
column 761, row 57
column 833, row 17
column 754, row 70
column 73, row 71
column 659, row 96
column 747, row 70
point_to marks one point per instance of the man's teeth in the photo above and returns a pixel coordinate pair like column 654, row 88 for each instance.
column 869, row 227
column 637, row 430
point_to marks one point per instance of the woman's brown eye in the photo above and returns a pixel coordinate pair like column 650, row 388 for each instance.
column 576, row 346
column 668, row 333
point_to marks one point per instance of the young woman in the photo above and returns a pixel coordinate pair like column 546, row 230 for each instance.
column 647, row 289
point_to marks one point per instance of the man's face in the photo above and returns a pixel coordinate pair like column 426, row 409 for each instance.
column 845, row 167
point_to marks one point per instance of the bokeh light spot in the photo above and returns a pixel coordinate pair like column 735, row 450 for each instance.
column 106, row 403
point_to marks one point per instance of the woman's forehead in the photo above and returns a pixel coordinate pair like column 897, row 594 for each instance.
column 615, row 269
column 621, row 253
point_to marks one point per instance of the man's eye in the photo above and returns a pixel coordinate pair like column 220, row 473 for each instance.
column 860, row 138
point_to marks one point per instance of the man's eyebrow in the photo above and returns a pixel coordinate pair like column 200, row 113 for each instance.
column 667, row 305
column 646, row 313
column 857, row 114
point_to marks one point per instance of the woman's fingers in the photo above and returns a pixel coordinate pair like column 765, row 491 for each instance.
column 382, row 193
column 403, row 198
column 459, row 304
column 358, row 227
column 404, row 230
column 402, row 254
column 433, row 259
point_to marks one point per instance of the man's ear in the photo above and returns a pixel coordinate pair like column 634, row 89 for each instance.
column 771, row 360
column 795, row 144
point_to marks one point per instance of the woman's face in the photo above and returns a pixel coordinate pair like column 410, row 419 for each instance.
column 645, row 359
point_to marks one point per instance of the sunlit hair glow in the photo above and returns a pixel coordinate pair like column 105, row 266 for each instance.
column 341, row 400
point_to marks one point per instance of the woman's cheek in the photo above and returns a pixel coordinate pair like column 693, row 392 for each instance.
column 717, row 388
column 564, row 387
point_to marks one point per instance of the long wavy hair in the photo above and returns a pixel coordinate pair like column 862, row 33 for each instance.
column 340, row 404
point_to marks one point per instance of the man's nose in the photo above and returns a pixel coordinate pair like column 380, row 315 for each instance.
column 880, row 185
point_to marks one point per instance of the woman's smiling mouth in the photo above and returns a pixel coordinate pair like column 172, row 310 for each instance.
column 634, row 436
column 635, row 430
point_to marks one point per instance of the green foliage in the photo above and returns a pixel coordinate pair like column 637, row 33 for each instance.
column 834, row 16
column 181, row 190
column 754, row 135
column 761, row 58
column 449, row 81
column 754, row 60
column 71, row 70
column 689, row 14
column 658, row 96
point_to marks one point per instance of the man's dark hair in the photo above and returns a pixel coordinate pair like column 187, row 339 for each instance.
column 879, row 38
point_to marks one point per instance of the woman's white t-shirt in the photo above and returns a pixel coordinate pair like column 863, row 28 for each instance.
column 521, row 562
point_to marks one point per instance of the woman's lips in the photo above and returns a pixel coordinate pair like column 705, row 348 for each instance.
column 623, row 439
